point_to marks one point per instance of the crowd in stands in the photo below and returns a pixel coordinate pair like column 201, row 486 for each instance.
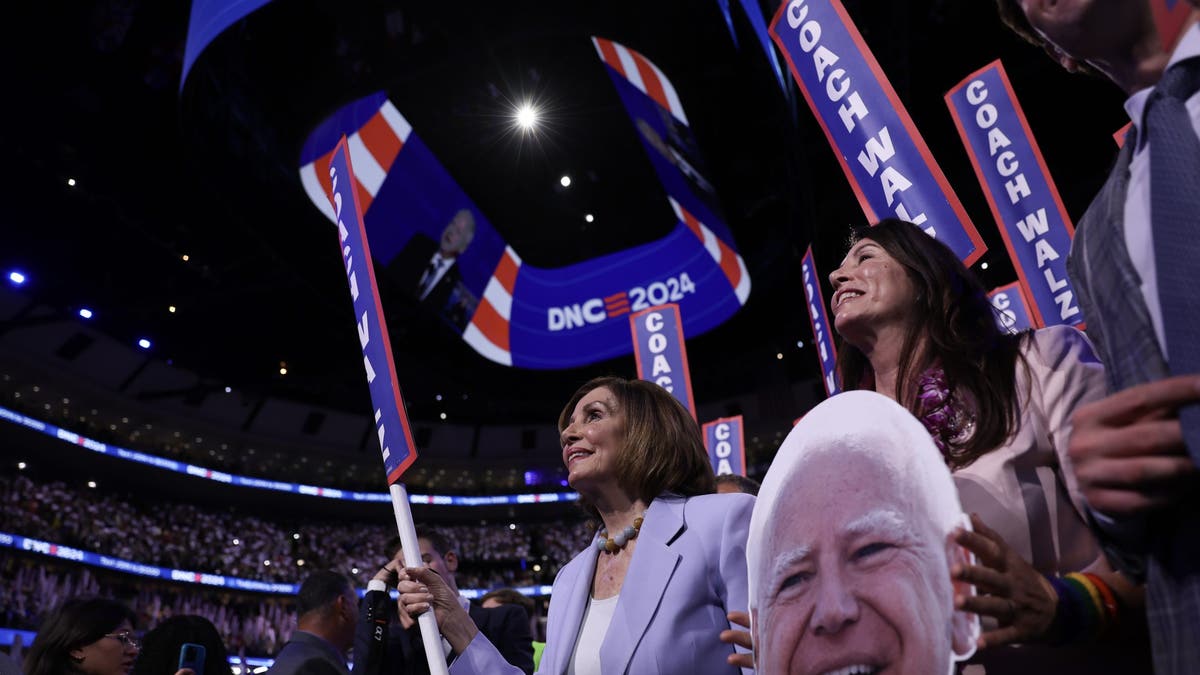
column 250, row 624
column 228, row 542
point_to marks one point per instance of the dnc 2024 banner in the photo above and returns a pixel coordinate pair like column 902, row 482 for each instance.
column 1020, row 192
column 517, row 314
column 884, row 157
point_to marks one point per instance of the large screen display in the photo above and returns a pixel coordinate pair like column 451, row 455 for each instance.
column 435, row 245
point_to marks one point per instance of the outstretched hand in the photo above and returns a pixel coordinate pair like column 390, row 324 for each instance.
column 1008, row 589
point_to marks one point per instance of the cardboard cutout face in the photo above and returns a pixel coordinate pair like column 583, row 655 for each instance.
column 849, row 549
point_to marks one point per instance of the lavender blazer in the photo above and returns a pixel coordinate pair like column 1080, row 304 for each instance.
column 687, row 572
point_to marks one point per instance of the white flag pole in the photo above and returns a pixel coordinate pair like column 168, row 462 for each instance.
column 430, row 636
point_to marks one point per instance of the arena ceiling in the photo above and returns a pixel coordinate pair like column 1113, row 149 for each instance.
column 131, row 196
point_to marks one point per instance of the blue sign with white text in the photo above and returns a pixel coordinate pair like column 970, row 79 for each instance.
column 815, row 304
column 884, row 157
column 660, row 351
column 725, row 440
column 391, row 422
column 1012, row 314
column 1037, row 231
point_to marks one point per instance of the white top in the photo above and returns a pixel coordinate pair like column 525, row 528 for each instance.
column 596, row 619
column 1139, row 240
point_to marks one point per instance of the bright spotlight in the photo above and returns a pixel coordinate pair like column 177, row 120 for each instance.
column 85, row 312
column 983, row 266
column 71, row 182
column 144, row 343
column 589, row 217
column 527, row 117
column 565, row 181
column 16, row 277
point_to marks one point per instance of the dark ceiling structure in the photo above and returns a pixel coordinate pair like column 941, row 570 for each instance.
column 130, row 196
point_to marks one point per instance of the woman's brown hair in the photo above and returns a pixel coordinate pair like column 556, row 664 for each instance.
column 662, row 450
column 953, row 325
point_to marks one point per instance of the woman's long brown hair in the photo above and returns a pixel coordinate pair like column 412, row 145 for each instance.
column 954, row 325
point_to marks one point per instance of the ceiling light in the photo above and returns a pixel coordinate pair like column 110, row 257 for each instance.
column 144, row 343
column 185, row 257
column 91, row 483
column 565, row 181
column 779, row 356
column 282, row 371
column 983, row 265
column 228, row 390
column 443, row 415
column 589, row 217
column 527, row 117
column 71, row 182
column 171, row 308
column 16, row 278
column 21, row 465
column 800, row 344
column 85, row 312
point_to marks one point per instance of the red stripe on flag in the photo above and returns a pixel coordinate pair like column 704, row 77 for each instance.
column 650, row 80
column 364, row 197
column 321, row 165
column 493, row 326
column 610, row 55
column 729, row 264
column 380, row 140
column 506, row 272
column 692, row 223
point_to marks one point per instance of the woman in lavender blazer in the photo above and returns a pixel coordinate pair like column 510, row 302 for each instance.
column 651, row 594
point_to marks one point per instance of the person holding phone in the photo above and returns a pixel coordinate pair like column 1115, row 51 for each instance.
column 184, row 645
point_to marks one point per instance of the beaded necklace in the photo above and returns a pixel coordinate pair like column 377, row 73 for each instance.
column 606, row 544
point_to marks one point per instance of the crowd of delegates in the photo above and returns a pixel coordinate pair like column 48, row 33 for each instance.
column 859, row 557
column 249, row 624
column 229, row 542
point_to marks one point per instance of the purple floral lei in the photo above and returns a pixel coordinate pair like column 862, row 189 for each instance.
column 941, row 413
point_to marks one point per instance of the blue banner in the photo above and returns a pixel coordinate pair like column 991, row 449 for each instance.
column 884, row 157
column 16, row 541
column 660, row 351
column 209, row 19
column 1019, row 190
column 516, row 314
column 1012, row 312
column 399, row 451
column 265, row 484
column 725, row 440
column 822, row 336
